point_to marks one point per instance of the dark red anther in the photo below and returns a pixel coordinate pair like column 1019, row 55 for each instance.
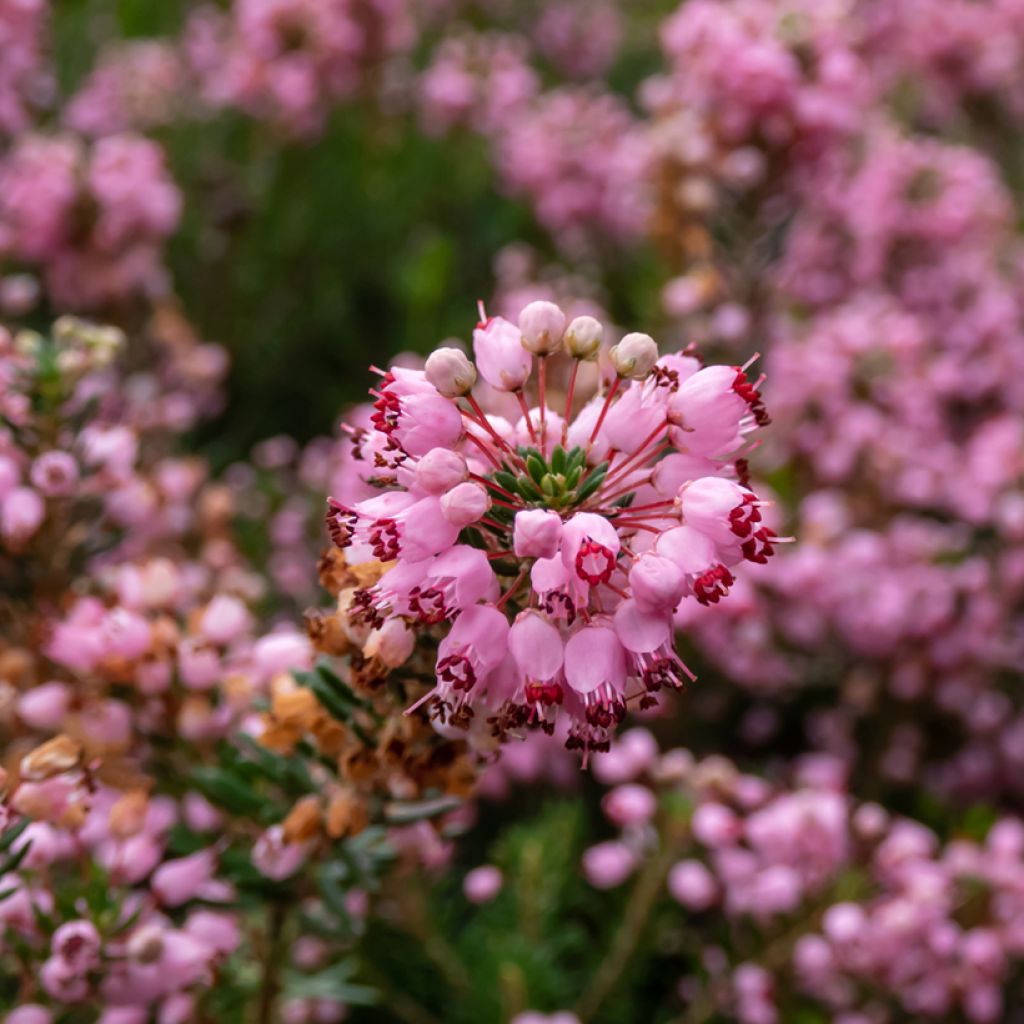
column 384, row 540
column 457, row 670
column 760, row 547
column 340, row 521
column 710, row 587
column 743, row 517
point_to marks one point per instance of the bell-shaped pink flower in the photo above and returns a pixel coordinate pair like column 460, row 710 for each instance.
column 594, row 657
column 536, row 646
column 78, row 944
column 640, row 631
column 500, row 356
column 708, row 414
column 536, row 533
column 658, row 583
column 719, row 508
column 476, row 644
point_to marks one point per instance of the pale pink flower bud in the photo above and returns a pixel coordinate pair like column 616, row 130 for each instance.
column 482, row 884
column 583, row 337
column 225, row 619
column 464, row 504
column 542, row 325
column 715, row 825
column 440, row 470
column 451, row 372
column 54, row 474
column 631, row 804
column 45, row 706
column 536, row 533
column 609, row 864
column 692, row 885
column 634, row 357
column 658, row 584
column 21, row 514
column 500, row 356
column 180, row 880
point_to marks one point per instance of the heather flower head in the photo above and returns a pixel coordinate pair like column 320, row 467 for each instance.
column 552, row 551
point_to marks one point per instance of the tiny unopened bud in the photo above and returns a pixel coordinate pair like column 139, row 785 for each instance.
column 634, row 357
column 451, row 372
column 583, row 338
column 54, row 757
column 542, row 325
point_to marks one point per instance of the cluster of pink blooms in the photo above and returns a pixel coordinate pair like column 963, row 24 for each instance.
column 581, row 158
column 141, row 959
column 865, row 909
column 90, row 219
column 894, row 330
column 24, row 78
column 134, row 86
column 291, row 61
column 558, row 536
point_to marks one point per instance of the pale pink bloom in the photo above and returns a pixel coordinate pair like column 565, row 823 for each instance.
column 500, row 356
column 180, row 880
column 608, row 864
column 21, row 514
column 482, row 884
column 692, row 885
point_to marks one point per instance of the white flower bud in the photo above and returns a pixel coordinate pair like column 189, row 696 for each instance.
column 451, row 372
column 634, row 357
column 583, row 338
column 542, row 325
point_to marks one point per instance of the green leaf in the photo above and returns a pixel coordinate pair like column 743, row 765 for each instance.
column 9, row 835
column 593, row 482
column 506, row 480
column 535, row 467
column 558, row 459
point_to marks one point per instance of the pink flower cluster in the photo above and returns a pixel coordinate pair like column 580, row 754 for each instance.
column 134, row 86
column 24, row 79
column 291, row 61
column 581, row 159
column 560, row 541
column 863, row 910
column 893, row 317
column 91, row 219
column 141, row 960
